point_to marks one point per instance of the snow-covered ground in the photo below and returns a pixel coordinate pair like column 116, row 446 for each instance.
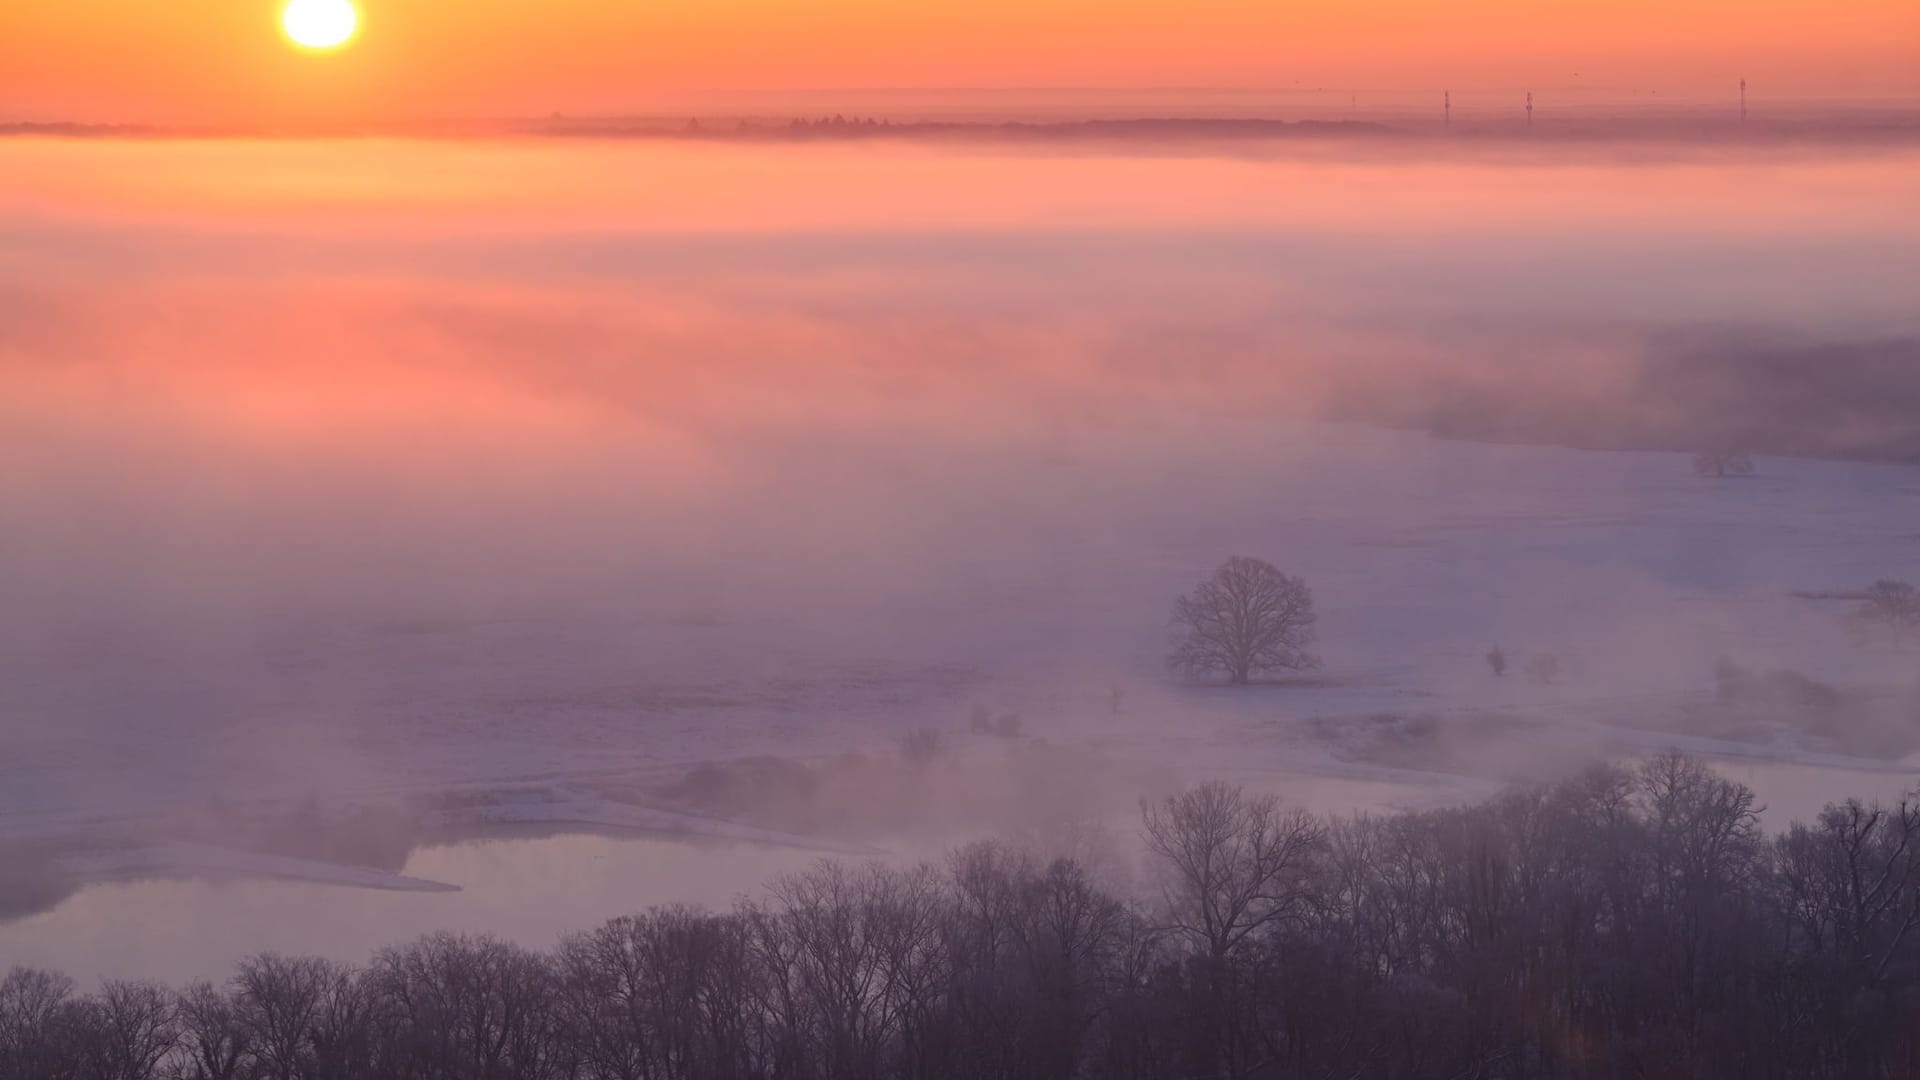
column 1637, row 572
column 512, row 495
column 199, row 860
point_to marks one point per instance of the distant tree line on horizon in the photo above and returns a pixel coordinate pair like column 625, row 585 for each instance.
column 1627, row 922
column 1721, row 396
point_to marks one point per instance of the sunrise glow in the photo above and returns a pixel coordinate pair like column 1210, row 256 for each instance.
column 139, row 61
column 1019, row 539
column 320, row 24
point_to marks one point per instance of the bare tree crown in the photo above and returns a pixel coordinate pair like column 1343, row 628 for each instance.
column 1237, row 863
column 1247, row 618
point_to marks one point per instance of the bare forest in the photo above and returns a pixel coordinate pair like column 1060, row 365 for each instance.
column 1627, row 922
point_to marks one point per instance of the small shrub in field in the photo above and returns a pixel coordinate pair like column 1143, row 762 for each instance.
column 921, row 747
column 1891, row 605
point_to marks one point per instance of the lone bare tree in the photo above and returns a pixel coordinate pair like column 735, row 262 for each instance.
column 1247, row 617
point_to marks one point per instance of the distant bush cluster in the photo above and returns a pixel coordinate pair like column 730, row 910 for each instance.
column 983, row 722
column 1625, row 923
column 1543, row 668
column 1737, row 685
column 1891, row 605
column 932, row 780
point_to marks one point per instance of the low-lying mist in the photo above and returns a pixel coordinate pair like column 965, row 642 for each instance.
column 356, row 470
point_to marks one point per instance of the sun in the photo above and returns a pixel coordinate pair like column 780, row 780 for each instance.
column 320, row 24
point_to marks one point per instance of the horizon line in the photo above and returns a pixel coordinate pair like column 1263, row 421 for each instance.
column 1699, row 126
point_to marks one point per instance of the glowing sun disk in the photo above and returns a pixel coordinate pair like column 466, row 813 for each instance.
column 319, row 24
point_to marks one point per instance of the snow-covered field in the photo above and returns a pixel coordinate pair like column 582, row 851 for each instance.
column 515, row 503
column 1637, row 572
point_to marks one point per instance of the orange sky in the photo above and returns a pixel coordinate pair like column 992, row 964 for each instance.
column 223, row 61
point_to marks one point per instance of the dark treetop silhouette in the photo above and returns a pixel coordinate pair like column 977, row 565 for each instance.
column 1623, row 924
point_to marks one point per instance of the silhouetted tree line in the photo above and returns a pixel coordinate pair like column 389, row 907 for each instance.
column 1624, row 923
